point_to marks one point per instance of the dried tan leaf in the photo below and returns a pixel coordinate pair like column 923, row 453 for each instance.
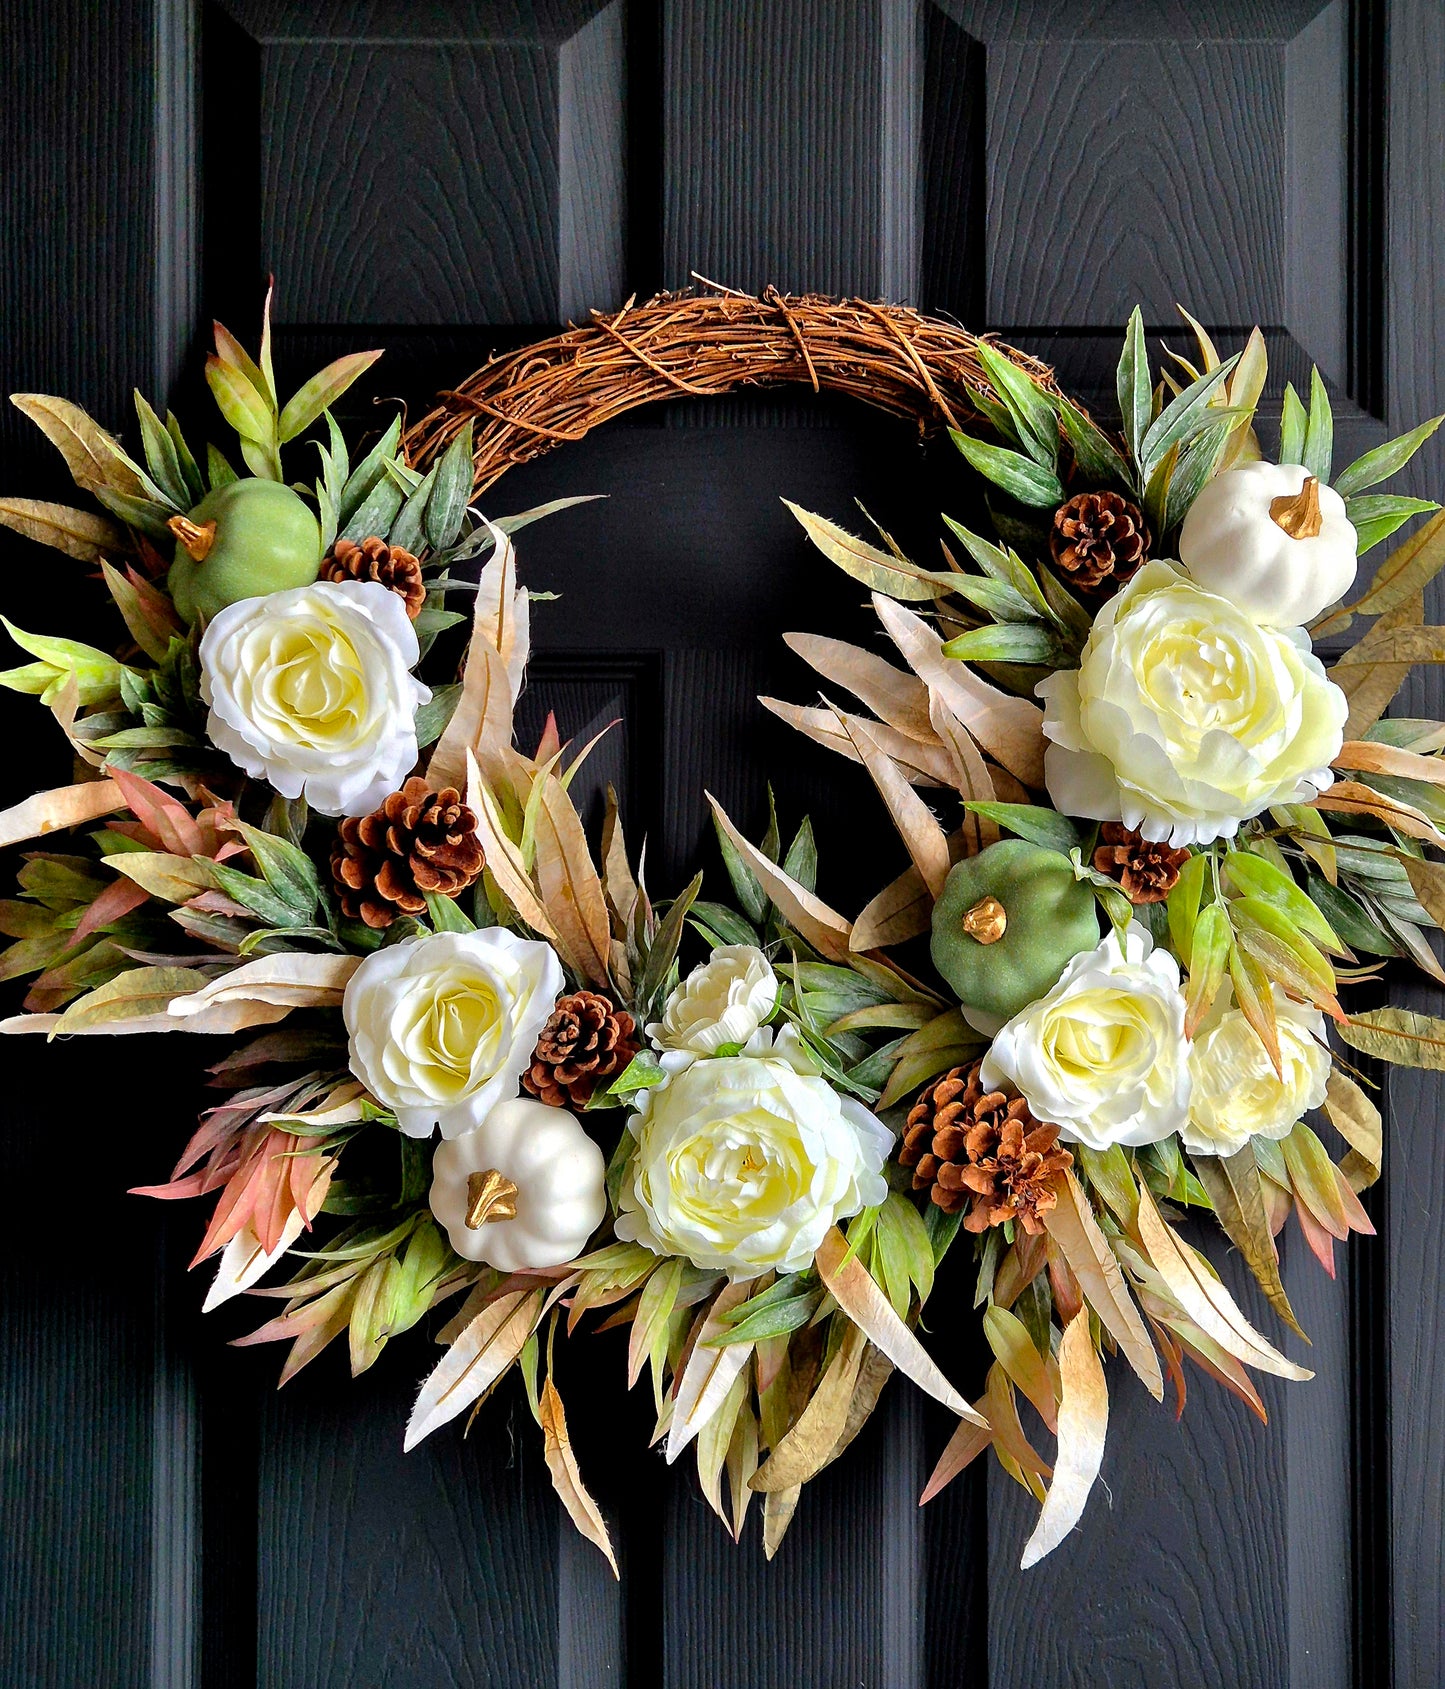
column 505, row 610
column 1232, row 1183
column 617, row 876
column 896, row 697
column 778, row 1509
column 710, row 1370
column 566, row 1479
column 1400, row 1036
column 860, row 1298
column 1408, row 568
column 808, row 1446
column 504, row 860
column 922, row 764
column 878, row 570
column 77, row 533
column 176, row 879
column 1372, row 758
column 1083, row 1422
column 289, row 980
column 966, row 1444
column 971, row 777
column 66, row 806
column 1072, row 1226
column 917, row 825
column 1358, row 1122
column 492, row 679
column 1347, row 797
column 475, row 1362
column 824, row 928
column 1010, row 729
column 91, row 455
column 569, row 885
column 900, row 911
column 1366, row 680
column 1204, row 1299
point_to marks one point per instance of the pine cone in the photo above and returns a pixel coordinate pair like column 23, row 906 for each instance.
column 1098, row 538
column 968, row 1145
column 587, row 1040
column 384, row 863
column 375, row 560
column 1145, row 869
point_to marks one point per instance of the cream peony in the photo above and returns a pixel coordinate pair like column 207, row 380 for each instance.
column 1237, row 1093
column 1185, row 717
column 1103, row 1056
column 724, row 1001
column 442, row 1027
column 744, row 1162
column 310, row 689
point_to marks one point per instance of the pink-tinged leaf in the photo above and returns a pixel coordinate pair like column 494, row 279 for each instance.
column 116, row 901
column 168, row 819
column 321, row 392
column 1083, row 1421
column 245, row 1260
column 1321, row 1243
column 965, row 1445
column 549, row 746
column 240, row 403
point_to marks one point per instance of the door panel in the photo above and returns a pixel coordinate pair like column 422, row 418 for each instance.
column 449, row 178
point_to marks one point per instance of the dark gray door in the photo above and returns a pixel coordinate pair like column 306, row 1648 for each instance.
column 450, row 177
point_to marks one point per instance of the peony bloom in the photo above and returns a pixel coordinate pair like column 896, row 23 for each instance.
column 1185, row 717
column 1237, row 1093
column 311, row 690
column 724, row 1001
column 441, row 1027
column 744, row 1162
column 1103, row 1056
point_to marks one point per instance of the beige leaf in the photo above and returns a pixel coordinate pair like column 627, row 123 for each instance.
column 894, row 695
column 289, row 980
column 1204, row 1299
column 1365, row 678
column 66, row 806
column 874, row 1373
column 877, row 570
column 566, row 1479
column 917, row 825
column 91, row 455
column 1398, row 1035
column 1010, row 729
column 1358, row 1122
column 65, row 706
column 900, row 911
column 481, row 723
column 176, row 879
column 504, row 609
column 1409, row 567
column 922, row 764
column 343, row 1105
column 245, row 1259
column 1083, row 1421
column 617, row 875
column 971, row 777
column 1371, row 758
column 77, row 533
column 1348, row 797
column 808, row 1446
column 504, row 860
column 824, row 928
column 1427, row 881
column 138, row 993
column 865, row 1304
column 569, row 885
column 778, row 1509
column 710, row 1371
column 475, row 1362
column 1072, row 1226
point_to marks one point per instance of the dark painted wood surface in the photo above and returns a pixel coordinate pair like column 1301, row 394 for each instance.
column 448, row 177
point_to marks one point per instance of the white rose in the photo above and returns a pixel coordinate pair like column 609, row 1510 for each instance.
column 1103, row 1056
column 744, row 1162
column 1185, row 717
column 1237, row 1093
column 442, row 1027
column 310, row 689
column 724, row 1001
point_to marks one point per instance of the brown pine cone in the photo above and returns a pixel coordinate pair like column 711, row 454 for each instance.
column 587, row 1040
column 1145, row 869
column 383, row 864
column 968, row 1145
column 375, row 560
column 1098, row 539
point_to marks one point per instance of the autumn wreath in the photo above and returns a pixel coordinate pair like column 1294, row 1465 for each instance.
column 476, row 1065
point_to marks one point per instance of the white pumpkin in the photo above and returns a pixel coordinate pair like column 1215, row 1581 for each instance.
column 526, row 1189
column 1272, row 540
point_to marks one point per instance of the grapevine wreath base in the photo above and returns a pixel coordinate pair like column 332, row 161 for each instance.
column 475, row 1064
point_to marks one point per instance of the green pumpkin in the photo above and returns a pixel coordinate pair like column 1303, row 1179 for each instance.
column 265, row 540
column 1003, row 954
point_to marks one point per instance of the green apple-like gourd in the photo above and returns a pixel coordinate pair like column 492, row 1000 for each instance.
column 1008, row 923
column 244, row 539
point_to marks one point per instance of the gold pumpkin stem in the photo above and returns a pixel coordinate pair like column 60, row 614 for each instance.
column 986, row 921
column 197, row 540
column 1299, row 513
column 490, row 1196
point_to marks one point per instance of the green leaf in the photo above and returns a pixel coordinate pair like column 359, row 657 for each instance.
column 1009, row 642
column 96, row 673
column 1319, row 444
column 322, row 391
column 446, row 914
column 1095, row 455
column 1232, row 1183
column 376, row 512
column 257, row 896
column 161, row 457
column 1029, row 409
column 1256, row 877
column 1383, row 461
column 447, row 507
column 190, row 471
column 1196, row 465
column 1029, row 821
column 641, row 1073
column 662, row 952
column 1184, row 417
column 942, row 1229
column 432, row 717
column 240, row 403
column 1377, row 515
column 218, row 471
column 369, row 471
column 408, row 530
column 801, row 862
column 904, row 1240
column 725, row 924
column 1020, row 477
column 878, row 570
column 745, row 884
column 287, row 869
column 1133, row 386
column 1293, row 424
column 143, row 514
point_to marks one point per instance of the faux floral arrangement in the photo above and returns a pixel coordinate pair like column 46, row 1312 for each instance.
column 497, row 1087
